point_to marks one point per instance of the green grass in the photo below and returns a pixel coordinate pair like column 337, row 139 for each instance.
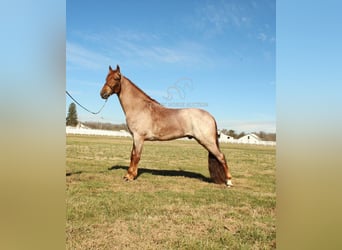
column 171, row 205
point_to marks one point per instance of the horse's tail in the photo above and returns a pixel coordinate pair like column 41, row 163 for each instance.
column 216, row 170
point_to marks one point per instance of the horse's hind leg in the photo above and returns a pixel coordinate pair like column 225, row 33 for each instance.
column 213, row 148
column 132, row 172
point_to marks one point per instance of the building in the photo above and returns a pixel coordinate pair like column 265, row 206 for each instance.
column 226, row 138
column 250, row 139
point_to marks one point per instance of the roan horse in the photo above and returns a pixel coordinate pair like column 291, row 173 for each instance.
column 148, row 120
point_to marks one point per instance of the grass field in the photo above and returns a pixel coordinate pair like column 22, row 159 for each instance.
column 172, row 204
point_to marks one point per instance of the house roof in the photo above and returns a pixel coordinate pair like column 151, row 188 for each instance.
column 251, row 135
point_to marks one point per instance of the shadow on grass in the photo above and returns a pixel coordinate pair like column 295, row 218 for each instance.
column 160, row 172
column 72, row 173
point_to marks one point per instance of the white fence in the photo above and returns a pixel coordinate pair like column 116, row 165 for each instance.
column 87, row 131
column 231, row 140
column 123, row 133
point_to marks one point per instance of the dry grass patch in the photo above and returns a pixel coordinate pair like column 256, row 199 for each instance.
column 171, row 205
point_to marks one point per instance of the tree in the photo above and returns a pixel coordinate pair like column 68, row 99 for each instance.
column 232, row 133
column 71, row 119
column 241, row 135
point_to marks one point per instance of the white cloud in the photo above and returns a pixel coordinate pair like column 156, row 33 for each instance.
column 150, row 49
column 262, row 37
column 134, row 47
column 81, row 57
column 265, row 38
column 214, row 19
column 168, row 55
column 157, row 54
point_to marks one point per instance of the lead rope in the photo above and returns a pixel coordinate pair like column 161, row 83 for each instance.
column 95, row 113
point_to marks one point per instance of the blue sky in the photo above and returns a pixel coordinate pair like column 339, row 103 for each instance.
column 215, row 55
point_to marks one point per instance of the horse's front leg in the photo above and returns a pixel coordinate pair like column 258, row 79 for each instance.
column 132, row 172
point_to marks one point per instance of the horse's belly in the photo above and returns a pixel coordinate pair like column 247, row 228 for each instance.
column 165, row 136
column 167, row 131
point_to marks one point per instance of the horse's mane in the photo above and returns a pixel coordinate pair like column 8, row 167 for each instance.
column 141, row 91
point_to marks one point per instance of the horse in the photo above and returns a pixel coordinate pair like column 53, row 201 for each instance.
column 148, row 120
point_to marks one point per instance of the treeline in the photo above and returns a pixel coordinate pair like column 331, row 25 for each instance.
column 106, row 126
column 261, row 134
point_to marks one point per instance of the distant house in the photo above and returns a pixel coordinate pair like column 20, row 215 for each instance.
column 250, row 139
column 226, row 138
column 81, row 125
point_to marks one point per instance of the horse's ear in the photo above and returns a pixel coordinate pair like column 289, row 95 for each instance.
column 117, row 68
column 110, row 68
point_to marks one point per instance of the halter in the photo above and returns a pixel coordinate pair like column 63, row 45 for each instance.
column 112, row 88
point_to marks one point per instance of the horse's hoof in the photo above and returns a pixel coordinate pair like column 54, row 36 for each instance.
column 229, row 183
column 126, row 179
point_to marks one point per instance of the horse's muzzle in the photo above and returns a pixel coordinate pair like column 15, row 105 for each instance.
column 104, row 95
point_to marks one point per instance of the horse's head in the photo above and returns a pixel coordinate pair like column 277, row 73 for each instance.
column 113, row 83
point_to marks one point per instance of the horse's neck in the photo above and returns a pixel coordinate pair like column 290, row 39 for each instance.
column 132, row 99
